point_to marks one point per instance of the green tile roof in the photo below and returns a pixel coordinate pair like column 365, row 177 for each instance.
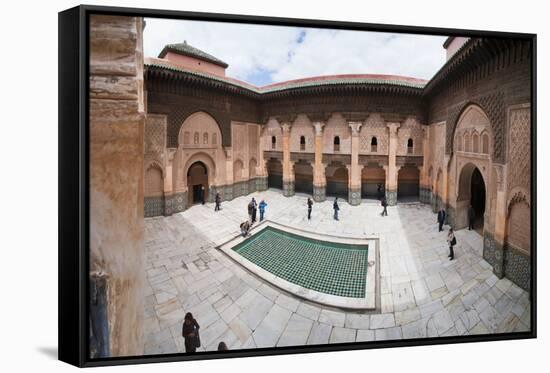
column 301, row 83
column 188, row 50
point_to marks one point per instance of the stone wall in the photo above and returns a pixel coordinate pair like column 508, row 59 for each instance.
column 117, row 175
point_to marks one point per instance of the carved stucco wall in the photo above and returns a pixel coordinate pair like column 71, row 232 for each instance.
column 519, row 177
column 272, row 128
column 436, row 159
column 155, row 154
column 199, row 140
column 337, row 126
column 374, row 126
column 302, row 127
column 410, row 129
column 245, row 148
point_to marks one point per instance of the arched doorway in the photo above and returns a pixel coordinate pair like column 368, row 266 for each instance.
column 373, row 182
column 197, row 183
column 303, row 177
column 408, row 183
column 274, row 174
column 337, row 180
column 472, row 191
column 477, row 198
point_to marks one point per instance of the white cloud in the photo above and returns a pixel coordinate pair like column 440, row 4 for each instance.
column 275, row 50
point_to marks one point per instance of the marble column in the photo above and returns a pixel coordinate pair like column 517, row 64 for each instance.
column 319, row 178
column 392, row 170
column 288, row 170
column 354, row 186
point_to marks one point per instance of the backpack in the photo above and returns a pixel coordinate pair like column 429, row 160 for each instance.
column 453, row 241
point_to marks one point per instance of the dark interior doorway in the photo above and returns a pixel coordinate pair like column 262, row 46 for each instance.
column 275, row 174
column 197, row 183
column 477, row 198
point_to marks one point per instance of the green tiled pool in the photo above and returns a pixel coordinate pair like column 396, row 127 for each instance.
column 326, row 267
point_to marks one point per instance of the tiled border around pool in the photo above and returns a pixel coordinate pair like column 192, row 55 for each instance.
column 367, row 303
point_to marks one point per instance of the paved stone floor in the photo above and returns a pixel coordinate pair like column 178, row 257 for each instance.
column 422, row 293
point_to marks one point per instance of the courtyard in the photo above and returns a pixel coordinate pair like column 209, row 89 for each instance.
column 420, row 292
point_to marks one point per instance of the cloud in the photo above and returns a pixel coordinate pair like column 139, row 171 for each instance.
column 261, row 54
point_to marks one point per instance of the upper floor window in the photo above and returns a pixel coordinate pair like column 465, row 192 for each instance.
column 205, row 138
column 409, row 146
column 273, row 142
column 336, row 143
column 196, row 138
column 485, row 145
column 373, row 145
column 302, row 143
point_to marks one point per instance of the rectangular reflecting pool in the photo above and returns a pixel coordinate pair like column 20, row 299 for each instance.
column 328, row 267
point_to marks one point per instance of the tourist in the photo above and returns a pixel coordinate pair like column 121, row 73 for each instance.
column 190, row 333
column 471, row 217
column 203, row 194
column 309, row 208
column 245, row 228
column 384, row 204
column 250, row 208
column 222, row 346
column 441, row 218
column 262, row 207
column 451, row 239
column 254, row 207
column 218, row 201
column 336, row 208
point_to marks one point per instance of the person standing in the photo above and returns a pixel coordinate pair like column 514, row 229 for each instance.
column 309, row 208
column 451, row 239
column 441, row 218
column 471, row 217
column 336, row 208
column 379, row 192
column 250, row 208
column 203, row 194
column 254, row 208
column 384, row 204
column 218, row 201
column 262, row 207
column 190, row 333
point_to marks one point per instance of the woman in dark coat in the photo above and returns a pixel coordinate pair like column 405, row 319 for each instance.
column 190, row 330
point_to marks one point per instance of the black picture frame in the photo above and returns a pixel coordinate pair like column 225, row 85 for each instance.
column 74, row 197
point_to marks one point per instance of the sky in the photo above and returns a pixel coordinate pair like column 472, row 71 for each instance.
column 260, row 54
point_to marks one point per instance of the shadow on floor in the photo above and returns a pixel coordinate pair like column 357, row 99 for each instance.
column 50, row 352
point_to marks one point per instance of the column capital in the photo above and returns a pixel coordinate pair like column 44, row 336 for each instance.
column 286, row 128
column 393, row 127
column 318, row 128
column 355, row 127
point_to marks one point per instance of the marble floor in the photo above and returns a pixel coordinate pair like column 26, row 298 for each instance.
column 422, row 293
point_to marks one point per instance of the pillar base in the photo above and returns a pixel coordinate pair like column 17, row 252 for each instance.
column 354, row 196
column 261, row 183
column 493, row 253
column 425, row 195
column 517, row 267
column 154, row 206
column 450, row 215
column 319, row 193
column 171, row 204
column 288, row 188
column 391, row 197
